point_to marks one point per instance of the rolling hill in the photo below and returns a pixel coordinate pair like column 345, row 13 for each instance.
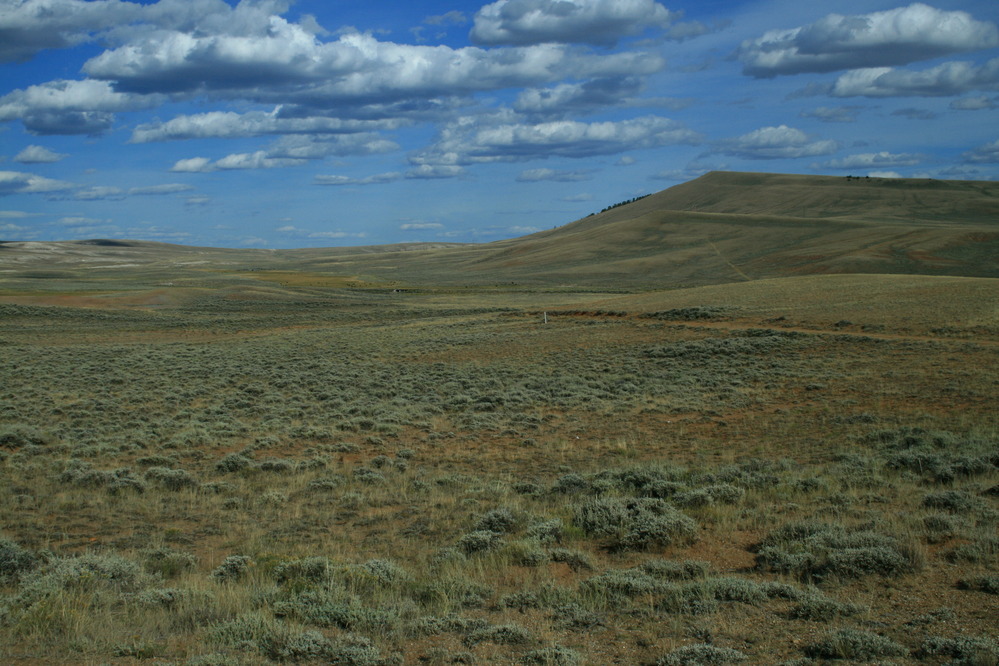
column 722, row 227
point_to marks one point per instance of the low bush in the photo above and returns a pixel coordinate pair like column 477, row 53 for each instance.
column 702, row 654
column 963, row 650
column 856, row 645
column 820, row 551
column 634, row 524
column 233, row 568
column 15, row 560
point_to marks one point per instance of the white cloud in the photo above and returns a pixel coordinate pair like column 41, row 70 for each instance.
column 228, row 125
column 535, row 175
column 973, row 104
column 602, row 22
column 30, row 26
column 569, row 98
column 99, row 193
column 986, row 154
column 449, row 18
column 377, row 179
column 781, row 142
column 70, row 107
column 421, row 226
column 38, row 155
column 76, row 221
column 950, row 78
column 281, row 64
column 433, row 171
column 472, row 140
column 839, row 114
column 894, row 37
column 154, row 190
column 884, row 174
column 193, row 165
column 237, row 161
column 18, row 182
column 871, row 160
column 335, row 235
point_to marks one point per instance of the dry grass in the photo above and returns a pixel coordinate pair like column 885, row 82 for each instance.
column 407, row 474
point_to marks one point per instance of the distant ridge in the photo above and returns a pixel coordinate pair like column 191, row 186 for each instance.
column 721, row 227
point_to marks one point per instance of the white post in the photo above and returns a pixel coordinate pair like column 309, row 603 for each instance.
column 546, row 317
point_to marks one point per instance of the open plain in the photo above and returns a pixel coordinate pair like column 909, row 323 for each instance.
column 750, row 419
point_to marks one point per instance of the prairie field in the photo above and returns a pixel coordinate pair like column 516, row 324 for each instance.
column 287, row 466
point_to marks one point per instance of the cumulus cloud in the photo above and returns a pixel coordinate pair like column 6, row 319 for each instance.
column 18, row 182
column 874, row 160
column 284, row 64
column 601, row 22
column 783, row 142
column 229, row 125
column 70, row 107
column 986, row 154
column 947, row 79
column 467, row 142
column 30, row 26
column 568, row 98
column 536, row 175
column 193, row 165
column 38, row 155
column 886, row 38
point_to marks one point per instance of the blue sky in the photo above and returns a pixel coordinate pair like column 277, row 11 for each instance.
column 279, row 124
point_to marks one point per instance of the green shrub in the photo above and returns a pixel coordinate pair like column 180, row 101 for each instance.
column 954, row 501
column 167, row 562
column 17, row 436
column 171, row 479
column 987, row 584
column 501, row 634
column 548, row 531
column 823, row 550
column 15, row 560
column 479, row 542
column 501, row 521
column 701, row 654
column 856, row 645
column 553, row 655
column 724, row 493
column 963, row 650
column 232, row 462
column 672, row 570
column 233, row 568
column 576, row 559
column 634, row 524
column 817, row 607
column 284, row 644
column 297, row 574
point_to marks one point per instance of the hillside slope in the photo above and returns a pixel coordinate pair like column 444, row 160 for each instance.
column 721, row 227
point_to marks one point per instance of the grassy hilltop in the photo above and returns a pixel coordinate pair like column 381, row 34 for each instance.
column 758, row 426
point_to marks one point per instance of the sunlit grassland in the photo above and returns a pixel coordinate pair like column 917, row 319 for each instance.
column 271, row 470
